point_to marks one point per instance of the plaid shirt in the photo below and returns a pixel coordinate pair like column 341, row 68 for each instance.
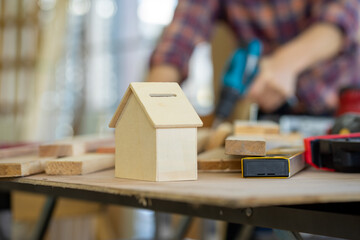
column 274, row 22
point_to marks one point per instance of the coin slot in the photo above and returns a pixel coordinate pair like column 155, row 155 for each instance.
column 162, row 95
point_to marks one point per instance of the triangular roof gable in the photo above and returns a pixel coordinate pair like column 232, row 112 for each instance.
column 165, row 105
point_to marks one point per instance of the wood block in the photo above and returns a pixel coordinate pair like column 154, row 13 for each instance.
column 106, row 150
column 218, row 136
column 22, row 166
column 28, row 149
column 278, row 140
column 245, row 146
column 216, row 160
column 203, row 135
column 283, row 140
column 79, row 165
column 75, row 146
column 259, row 127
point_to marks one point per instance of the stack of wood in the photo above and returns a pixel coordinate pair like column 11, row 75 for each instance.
column 73, row 156
column 222, row 149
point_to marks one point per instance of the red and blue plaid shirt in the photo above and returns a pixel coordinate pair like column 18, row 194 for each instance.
column 274, row 22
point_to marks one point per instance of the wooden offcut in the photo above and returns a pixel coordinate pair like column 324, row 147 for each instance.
column 22, row 166
column 79, row 165
column 256, row 127
column 216, row 160
column 283, row 140
column 245, row 146
column 217, row 137
column 75, row 146
column 27, row 149
column 106, row 150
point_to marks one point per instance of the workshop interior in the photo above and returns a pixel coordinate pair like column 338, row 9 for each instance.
column 76, row 100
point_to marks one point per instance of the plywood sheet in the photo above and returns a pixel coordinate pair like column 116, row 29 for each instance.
column 79, row 165
column 219, row 189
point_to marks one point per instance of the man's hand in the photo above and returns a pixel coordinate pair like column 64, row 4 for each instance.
column 276, row 81
column 273, row 85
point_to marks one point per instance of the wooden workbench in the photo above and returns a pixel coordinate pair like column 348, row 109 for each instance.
column 293, row 204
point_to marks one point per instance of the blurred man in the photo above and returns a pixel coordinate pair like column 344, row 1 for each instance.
column 310, row 47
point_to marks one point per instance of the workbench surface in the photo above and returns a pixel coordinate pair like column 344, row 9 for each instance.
column 331, row 200
column 216, row 189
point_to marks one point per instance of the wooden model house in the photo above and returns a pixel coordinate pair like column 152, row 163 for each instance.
column 155, row 134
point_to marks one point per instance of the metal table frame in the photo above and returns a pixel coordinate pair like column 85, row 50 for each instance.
column 332, row 219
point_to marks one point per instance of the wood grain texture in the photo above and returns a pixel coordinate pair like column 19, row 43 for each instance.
column 202, row 139
column 258, row 127
column 218, row 136
column 135, row 156
column 79, row 165
column 146, row 153
column 22, row 166
column 216, row 160
column 29, row 149
column 176, row 154
column 158, row 100
column 75, row 146
column 245, row 146
column 219, row 189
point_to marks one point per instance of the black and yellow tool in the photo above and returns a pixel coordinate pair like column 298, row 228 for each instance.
column 278, row 163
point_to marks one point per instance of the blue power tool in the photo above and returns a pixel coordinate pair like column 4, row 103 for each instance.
column 239, row 74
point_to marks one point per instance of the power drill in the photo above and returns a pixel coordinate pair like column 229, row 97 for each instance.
column 239, row 74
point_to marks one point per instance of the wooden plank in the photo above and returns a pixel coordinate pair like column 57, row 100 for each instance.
column 22, row 166
column 216, row 160
column 245, row 146
column 28, row 149
column 258, row 127
column 218, row 136
column 79, row 165
column 75, row 146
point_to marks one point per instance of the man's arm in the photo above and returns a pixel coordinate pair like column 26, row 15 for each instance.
column 276, row 81
column 193, row 23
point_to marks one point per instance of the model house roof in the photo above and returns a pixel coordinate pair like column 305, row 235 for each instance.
column 165, row 105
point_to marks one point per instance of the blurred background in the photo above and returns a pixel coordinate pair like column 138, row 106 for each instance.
column 64, row 67
column 65, row 64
